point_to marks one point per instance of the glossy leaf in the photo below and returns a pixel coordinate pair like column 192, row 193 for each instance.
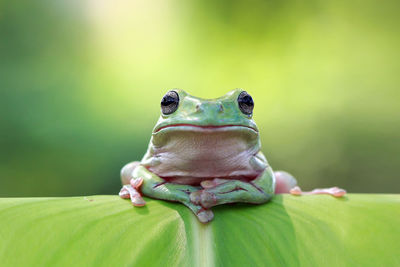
column 359, row 230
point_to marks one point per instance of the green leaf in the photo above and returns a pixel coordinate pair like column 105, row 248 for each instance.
column 359, row 230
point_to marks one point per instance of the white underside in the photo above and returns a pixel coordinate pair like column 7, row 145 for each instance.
column 189, row 157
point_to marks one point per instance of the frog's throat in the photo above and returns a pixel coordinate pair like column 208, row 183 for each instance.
column 202, row 127
column 187, row 152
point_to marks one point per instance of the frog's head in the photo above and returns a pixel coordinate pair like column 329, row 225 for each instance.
column 207, row 138
column 181, row 111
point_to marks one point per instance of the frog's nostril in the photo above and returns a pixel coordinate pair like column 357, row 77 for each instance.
column 198, row 107
column 220, row 108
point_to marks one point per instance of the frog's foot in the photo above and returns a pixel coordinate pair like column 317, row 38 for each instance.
column 231, row 191
column 204, row 198
column 132, row 191
column 333, row 191
column 136, row 183
column 195, row 197
column 205, row 215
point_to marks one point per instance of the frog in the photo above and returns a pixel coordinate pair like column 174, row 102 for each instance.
column 207, row 152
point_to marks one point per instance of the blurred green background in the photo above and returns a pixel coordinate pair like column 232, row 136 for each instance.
column 81, row 83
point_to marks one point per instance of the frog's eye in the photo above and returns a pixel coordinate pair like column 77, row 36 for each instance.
column 246, row 103
column 169, row 102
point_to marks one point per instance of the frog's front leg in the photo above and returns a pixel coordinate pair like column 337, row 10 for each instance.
column 156, row 187
column 130, row 187
column 286, row 183
column 257, row 191
column 333, row 191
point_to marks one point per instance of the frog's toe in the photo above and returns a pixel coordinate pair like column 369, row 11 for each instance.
column 205, row 215
column 124, row 193
column 337, row 192
column 195, row 197
column 138, row 201
column 296, row 191
column 128, row 191
column 136, row 183
column 333, row 191
column 208, row 199
column 207, row 184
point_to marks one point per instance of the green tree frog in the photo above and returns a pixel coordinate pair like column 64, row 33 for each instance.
column 206, row 152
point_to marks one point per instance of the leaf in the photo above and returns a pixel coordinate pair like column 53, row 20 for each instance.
column 359, row 230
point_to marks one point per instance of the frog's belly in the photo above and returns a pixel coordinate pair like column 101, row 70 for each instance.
column 198, row 180
column 210, row 156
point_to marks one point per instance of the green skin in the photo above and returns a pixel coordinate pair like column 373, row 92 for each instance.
column 206, row 153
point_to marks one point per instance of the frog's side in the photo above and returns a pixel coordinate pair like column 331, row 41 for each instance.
column 205, row 153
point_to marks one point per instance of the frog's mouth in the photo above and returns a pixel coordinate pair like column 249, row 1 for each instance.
column 188, row 126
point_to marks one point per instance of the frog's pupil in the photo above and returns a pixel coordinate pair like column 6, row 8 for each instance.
column 247, row 100
column 168, row 100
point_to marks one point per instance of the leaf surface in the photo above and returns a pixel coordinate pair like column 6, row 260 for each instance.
column 359, row 230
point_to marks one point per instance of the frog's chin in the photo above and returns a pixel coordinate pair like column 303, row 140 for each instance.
column 205, row 128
